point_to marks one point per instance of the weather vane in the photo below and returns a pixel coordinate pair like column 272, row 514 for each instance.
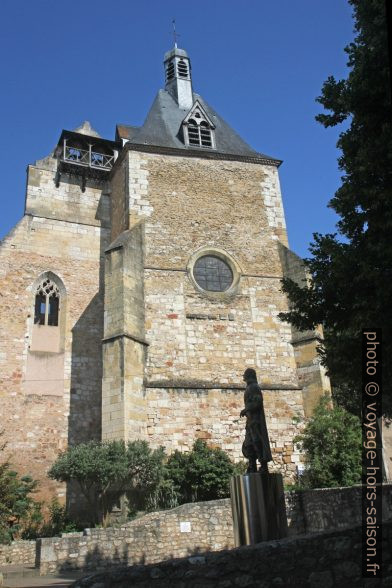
column 175, row 34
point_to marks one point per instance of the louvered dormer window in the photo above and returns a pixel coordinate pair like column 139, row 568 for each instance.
column 198, row 129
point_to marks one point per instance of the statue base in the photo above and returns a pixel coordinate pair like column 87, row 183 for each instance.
column 258, row 508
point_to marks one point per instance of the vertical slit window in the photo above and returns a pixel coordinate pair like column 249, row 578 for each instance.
column 53, row 314
column 40, row 304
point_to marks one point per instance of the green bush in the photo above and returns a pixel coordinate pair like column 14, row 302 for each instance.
column 19, row 512
column 58, row 522
column 202, row 474
column 331, row 441
column 105, row 471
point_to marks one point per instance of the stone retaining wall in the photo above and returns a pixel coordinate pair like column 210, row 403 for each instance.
column 193, row 528
column 152, row 538
column 18, row 553
column 324, row 509
column 322, row 560
column 185, row 530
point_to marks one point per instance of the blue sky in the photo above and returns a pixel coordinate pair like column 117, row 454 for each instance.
column 260, row 64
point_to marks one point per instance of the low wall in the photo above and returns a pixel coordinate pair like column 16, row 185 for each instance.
column 323, row 509
column 185, row 530
column 18, row 552
column 194, row 528
column 204, row 526
column 289, row 563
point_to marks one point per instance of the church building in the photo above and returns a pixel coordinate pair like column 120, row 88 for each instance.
column 143, row 279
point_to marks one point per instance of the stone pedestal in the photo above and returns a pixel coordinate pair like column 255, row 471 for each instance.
column 258, row 508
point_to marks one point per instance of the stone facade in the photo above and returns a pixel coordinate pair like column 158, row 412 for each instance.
column 140, row 350
column 51, row 397
column 189, row 347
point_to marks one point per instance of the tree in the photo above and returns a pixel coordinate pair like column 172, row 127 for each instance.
column 18, row 510
column 106, row 470
column 351, row 271
column 332, row 442
column 201, row 474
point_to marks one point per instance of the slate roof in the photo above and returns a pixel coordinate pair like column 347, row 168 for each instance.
column 163, row 128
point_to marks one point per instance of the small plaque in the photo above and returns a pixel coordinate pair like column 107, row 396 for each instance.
column 185, row 527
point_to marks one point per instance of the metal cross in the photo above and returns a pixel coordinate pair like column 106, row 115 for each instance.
column 175, row 34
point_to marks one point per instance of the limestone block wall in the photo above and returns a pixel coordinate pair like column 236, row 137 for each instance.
column 152, row 538
column 42, row 409
column 199, row 527
column 66, row 202
column 192, row 336
column 199, row 345
column 18, row 553
column 191, row 204
column 273, row 563
column 273, row 203
column 123, row 404
column 119, row 199
column 178, row 416
column 311, row 374
column 129, row 192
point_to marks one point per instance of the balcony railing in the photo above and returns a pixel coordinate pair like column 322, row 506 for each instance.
column 88, row 158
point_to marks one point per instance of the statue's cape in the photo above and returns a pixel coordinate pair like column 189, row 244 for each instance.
column 256, row 423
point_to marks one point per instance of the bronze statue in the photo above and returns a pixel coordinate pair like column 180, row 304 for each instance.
column 256, row 444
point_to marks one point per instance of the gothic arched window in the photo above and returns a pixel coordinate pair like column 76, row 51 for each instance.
column 47, row 303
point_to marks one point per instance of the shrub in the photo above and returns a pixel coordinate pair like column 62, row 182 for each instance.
column 18, row 510
column 331, row 441
column 58, row 522
column 105, row 471
column 202, row 474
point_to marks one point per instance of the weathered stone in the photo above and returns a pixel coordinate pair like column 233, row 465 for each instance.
column 243, row 581
column 220, row 570
column 321, row 580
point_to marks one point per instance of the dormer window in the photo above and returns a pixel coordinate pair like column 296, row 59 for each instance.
column 198, row 129
column 199, row 134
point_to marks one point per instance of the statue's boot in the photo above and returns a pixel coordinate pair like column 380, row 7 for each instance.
column 252, row 467
column 263, row 466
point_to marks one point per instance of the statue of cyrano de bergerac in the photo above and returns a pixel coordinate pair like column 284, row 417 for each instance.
column 256, row 444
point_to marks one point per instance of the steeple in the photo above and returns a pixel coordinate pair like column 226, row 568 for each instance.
column 178, row 77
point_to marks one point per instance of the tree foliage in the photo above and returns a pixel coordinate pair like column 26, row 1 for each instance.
column 201, row 474
column 58, row 521
column 106, row 470
column 351, row 271
column 331, row 441
column 19, row 512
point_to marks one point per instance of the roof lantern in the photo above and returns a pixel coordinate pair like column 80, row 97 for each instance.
column 178, row 77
